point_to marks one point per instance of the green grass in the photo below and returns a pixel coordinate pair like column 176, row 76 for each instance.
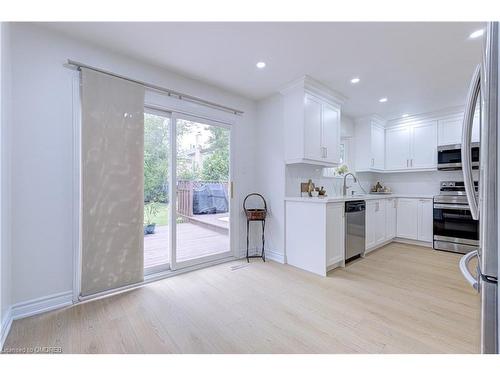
column 162, row 217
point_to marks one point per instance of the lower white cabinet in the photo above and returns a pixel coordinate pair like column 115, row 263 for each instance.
column 375, row 223
column 390, row 218
column 414, row 219
column 407, row 219
column 335, row 233
column 425, row 220
column 315, row 235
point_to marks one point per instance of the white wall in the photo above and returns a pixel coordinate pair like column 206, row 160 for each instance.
column 276, row 180
column 271, row 171
column 413, row 182
column 5, row 125
column 42, row 233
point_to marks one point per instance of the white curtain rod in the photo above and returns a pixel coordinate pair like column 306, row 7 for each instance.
column 78, row 65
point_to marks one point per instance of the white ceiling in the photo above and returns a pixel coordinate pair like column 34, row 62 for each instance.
column 420, row 67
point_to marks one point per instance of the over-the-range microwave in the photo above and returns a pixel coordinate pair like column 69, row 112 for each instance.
column 450, row 157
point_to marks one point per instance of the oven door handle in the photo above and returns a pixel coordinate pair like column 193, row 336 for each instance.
column 464, row 268
column 472, row 96
column 451, row 206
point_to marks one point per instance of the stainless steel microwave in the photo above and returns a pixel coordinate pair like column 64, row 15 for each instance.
column 450, row 157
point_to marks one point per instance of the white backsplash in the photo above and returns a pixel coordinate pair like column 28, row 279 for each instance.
column 399, row 183
column 297, row 173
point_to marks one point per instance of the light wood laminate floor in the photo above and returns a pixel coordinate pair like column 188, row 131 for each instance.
column 399, row 299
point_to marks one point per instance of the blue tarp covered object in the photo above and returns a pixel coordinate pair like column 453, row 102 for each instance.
column 210, row 198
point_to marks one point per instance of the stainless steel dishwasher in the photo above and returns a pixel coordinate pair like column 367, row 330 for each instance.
column 354, row 229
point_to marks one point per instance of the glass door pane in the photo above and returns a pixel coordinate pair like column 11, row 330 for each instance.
column 202, row 172
column 156, row 191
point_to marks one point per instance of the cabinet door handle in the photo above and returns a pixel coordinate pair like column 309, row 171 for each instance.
column 406, row 163
column 411, row 163
column 373, row 162
column 326, row 152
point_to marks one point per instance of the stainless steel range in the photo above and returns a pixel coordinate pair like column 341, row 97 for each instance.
column 454, row 228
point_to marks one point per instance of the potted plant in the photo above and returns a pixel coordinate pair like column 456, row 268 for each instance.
column 150, row 212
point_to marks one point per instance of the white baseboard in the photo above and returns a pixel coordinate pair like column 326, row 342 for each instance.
column 40, row 305
column 275, row 256
column 413, row 242
column 6, row 323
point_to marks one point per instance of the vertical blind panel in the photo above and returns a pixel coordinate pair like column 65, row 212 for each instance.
column 112, row 182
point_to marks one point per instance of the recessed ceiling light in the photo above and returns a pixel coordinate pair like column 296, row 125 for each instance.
column 404, row 115
column 476, row 34
column 382, row 100
column 261, row 65
column 355, row 80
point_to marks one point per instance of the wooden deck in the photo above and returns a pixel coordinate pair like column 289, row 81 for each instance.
column 194, row 240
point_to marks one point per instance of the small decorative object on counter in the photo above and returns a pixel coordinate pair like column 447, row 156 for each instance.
column 256, row 214
column 306, row 188
column 322, row 191
column 379, row 189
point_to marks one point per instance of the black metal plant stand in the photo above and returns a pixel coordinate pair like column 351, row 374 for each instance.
column 256, row 214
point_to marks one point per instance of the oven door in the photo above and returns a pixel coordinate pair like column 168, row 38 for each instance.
column 454, row 228
column 450, row 157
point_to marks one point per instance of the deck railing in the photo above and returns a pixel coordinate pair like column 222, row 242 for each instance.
column 185, row 190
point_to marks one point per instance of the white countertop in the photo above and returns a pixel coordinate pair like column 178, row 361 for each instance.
column 363, row 197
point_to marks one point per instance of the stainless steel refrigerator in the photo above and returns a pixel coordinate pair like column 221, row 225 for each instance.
column 484, row 204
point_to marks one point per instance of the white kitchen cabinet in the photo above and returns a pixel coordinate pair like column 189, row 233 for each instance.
column 424, row 145
column 450, row 129
column 335, row 233
column 425, row 220
column 415, row 219
column 312, row 128
column 380, row 223
column 390, row 218
column 315, row 235
column 330, row 137
column 397, row 141
column 312, row 124
column 407, row 218
column 370, row 224
column 370, row 144
column 412, row 146
column 375, row 220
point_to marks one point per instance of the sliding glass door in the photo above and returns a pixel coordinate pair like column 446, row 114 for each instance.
column 157, row 128
column 186, row 191
column 203, row 195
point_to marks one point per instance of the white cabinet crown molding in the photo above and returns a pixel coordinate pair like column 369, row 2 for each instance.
column 316, row 88
column 426, row 116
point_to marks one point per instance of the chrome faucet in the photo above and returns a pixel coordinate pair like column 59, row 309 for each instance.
column 344, row 187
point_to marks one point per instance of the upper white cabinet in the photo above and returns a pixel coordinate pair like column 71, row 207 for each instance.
column 423, row 152
column 450, row 129
column 397, row 142
column 312, row 123
column 370, row 144
column 412, row 146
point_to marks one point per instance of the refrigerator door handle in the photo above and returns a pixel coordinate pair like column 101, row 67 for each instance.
column 464, row 268
column 472, row 96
